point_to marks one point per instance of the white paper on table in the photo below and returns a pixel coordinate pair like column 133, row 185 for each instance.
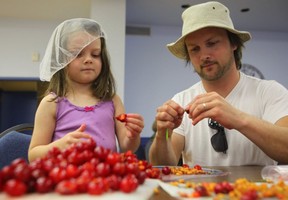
column 143, row 192
column 174, row 191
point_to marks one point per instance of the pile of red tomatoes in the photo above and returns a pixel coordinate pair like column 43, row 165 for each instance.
column 81, row 168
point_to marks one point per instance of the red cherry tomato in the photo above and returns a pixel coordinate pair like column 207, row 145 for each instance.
column 15, row 187
column 98, row 186
column 129, row 183
column 198, row 167
column 166, row 170
column 44, row 184
column 122, row 117
column 201, row 190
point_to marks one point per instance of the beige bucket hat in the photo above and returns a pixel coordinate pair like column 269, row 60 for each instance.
column 210, row 14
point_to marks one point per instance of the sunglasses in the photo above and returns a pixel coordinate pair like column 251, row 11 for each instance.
column 218, row 140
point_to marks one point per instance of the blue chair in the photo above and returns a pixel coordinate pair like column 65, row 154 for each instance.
column 14, row 143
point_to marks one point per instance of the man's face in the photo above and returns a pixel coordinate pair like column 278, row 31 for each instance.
column 210, row 52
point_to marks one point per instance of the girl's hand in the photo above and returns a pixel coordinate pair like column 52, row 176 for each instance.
column 134, row 124
column 73, row 137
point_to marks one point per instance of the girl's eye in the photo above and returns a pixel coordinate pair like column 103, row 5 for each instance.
column 96, row 55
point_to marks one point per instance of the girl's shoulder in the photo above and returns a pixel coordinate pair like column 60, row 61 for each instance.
column 117, row 100
column 50, row 97
column 47, row 105
column 116, row 97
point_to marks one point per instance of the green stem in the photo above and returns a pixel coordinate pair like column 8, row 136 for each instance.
column 167, row 134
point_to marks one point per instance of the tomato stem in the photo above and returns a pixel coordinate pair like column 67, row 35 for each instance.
column 167, row 134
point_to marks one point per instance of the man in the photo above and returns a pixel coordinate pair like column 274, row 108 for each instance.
column 228, row 118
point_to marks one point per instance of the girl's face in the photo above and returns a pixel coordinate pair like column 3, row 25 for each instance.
column 86, row 67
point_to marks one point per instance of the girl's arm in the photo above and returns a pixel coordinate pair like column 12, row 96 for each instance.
column 43, row 128
column 128, row 133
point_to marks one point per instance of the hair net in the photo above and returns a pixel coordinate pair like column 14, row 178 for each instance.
column 59, row 52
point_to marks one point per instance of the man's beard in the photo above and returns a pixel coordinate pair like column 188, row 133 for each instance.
column 218, row 73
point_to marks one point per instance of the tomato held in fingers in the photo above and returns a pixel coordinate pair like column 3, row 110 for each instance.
column 122, row 118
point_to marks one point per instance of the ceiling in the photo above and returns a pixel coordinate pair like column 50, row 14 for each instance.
column 264, row 15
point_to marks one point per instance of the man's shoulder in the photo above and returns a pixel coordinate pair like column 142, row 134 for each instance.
column 197, row 87
column 255, row 81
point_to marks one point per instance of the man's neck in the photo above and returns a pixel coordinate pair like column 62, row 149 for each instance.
column 224, row 85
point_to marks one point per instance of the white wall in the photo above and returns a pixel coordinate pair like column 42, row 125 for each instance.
column 115, row 30
column 153, row 75
column 19, row 39
column 268, row 51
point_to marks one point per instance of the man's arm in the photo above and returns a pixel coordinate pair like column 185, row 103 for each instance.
column 271, row 138
column 166, row 152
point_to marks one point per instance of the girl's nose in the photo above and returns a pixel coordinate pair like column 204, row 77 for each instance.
column 88, row 59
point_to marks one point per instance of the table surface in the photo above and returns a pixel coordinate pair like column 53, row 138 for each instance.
column 252, row 173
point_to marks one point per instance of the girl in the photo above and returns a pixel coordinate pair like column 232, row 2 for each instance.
column 80, row 101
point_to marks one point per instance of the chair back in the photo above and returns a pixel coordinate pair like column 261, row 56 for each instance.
column 14, row 144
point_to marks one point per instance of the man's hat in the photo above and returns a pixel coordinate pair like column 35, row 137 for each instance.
column 210, row 14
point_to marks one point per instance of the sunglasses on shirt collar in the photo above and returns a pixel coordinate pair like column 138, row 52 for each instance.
column 218, row 140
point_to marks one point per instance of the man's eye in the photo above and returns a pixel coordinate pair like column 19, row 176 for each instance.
column 195, row 49
column 211, row 44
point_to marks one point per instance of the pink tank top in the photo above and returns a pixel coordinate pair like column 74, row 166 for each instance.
column 99, row 120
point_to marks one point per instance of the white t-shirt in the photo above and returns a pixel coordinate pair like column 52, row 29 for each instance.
column 267, row 100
